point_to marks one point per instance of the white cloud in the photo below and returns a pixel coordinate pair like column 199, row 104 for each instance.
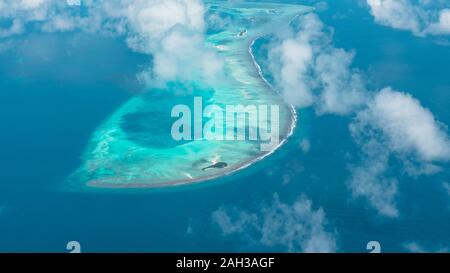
column 16, row 27
column 369, row 179
column 388, row 125
column 170, row 30
column 173, row 32
column 406, row 126
column 309, row 70
column 233, row 221
column 297, row 227
column 394, row 125
column 420, row 17
column 305, row 145
column 417, row 248
column 442, row 26
column 31, row 4
column 153, row 19
column 447, row 187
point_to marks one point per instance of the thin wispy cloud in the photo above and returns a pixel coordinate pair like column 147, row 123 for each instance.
column 415, row 247
column 405, row 125
column 447, row 187
column 310, row 71
column 297, row 227
column 385, row 125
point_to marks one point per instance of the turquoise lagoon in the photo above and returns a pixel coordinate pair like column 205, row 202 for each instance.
column 53, row 107
column 134, row 148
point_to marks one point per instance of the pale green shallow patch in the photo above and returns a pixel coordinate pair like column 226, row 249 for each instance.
column 115, row 158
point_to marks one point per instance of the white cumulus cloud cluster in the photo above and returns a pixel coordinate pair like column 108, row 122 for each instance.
column 296, row 228
column 387, row 126
column 172, row 31
column 421, row 17
column 414, row 247
column 48, row 15
column 310, row 71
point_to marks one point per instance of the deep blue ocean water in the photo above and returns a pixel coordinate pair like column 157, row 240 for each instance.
column 53, row 97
